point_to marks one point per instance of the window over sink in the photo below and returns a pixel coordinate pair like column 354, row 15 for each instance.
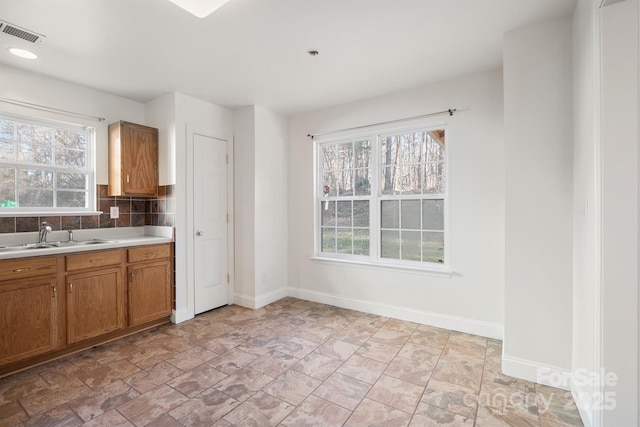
column 45, row 166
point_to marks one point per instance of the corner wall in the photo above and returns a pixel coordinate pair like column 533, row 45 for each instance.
column 260, row 206
column 539, row 202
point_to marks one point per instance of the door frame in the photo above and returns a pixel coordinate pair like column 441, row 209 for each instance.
column 190, row 226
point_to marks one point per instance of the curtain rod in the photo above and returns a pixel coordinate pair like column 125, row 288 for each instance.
column 49, row 109
column 450, row 112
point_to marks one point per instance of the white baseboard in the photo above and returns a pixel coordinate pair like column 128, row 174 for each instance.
column 540, row 373
column 244, row 300
column 180, row 316
column 470, row 326
column 261, row 300
column 584, row 402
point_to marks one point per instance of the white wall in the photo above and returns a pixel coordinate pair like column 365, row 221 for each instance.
column 472, row 298
column 244, row 189
column 620, row 208
column 538, row 223
column 161, row 113
column 586, row 203
column 270, row 207
column 191, row 113
column 37, row 89
column 261, row 207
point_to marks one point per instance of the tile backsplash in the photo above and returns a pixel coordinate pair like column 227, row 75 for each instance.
column 134, row 212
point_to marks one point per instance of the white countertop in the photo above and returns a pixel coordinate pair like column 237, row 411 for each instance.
column 117, row 238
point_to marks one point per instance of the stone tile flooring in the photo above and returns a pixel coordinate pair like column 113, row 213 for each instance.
column 292, row 363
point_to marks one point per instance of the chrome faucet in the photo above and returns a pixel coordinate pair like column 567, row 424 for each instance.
column 44, row 230
column 70, row 235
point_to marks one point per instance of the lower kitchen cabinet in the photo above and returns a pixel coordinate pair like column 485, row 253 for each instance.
column 149, row 291
column 28, row 319
column 150, row 273
column 95, row 304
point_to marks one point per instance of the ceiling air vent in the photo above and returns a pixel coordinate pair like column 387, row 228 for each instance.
column 21, row 33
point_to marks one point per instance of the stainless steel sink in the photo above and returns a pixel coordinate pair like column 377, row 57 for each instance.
column 48, row 245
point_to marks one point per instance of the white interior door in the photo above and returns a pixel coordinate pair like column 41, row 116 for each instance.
column 210, row 222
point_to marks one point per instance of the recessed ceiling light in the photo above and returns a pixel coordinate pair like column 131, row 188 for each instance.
column 23, row 53
column 200, row 8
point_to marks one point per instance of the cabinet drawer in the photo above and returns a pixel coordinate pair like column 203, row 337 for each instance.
column 146, row 253
column 27, row 267
column 93, row 259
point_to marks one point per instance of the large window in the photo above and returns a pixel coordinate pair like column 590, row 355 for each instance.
column 45, row 166
column 382, row 198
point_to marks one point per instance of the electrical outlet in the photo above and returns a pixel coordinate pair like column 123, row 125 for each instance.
column 114, row 212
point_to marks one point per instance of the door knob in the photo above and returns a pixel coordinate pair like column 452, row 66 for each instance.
column 199, row 233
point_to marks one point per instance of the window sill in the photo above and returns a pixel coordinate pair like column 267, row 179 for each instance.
column 441, row 272
column 6, row 213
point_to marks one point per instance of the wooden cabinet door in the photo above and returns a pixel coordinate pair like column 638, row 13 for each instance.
column 27, row 319
column 149, row 291
column 95, row 304
column 139, row 160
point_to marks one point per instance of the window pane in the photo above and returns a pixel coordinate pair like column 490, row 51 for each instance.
column 410, row 215
column 345, row 240
column 362, row 154
column 389, row 181
column 390, row 244
column 7, row 177
column 344, row 180
column 434, row 178
column 345, row 156
column 76, row 181
column 7, row 129
column 362, row 182
column 361, row 213
column 328, row 213
column 411, row 245
column 389, row 151
column 435, row 145
column 329, row 157
column 328, row 239
column 433, row 214
column 35, row 198
column 7, row 198
column 329, row 184
column 411, row 179
column 28, row 153
column 7, row 151
column 71, row 199
column 71, row 139
column 433, row 246
column 71, row 158
column 344, row 214
column 390, row 214
column 361, row 242
column 35, row 178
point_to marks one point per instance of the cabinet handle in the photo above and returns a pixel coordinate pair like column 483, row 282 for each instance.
column 96, row 260
column 131, row 277
column 70, row 288
column 127, row 178
column 20, row 270
column 54, row 291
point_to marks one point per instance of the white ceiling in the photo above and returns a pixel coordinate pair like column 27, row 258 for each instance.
column 255, row 51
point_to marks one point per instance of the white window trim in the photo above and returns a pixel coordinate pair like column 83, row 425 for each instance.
column 374, row 259
column 90, row 209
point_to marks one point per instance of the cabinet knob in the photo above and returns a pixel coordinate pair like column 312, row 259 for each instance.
column 199, row 233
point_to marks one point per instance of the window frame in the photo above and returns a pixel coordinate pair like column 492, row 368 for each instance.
column 89, row 169
column 374, row 259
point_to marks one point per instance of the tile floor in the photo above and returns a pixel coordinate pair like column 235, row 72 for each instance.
column 292, row 363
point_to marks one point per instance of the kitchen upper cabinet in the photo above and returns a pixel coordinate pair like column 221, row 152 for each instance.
column 133, row 160
column 28, row 309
